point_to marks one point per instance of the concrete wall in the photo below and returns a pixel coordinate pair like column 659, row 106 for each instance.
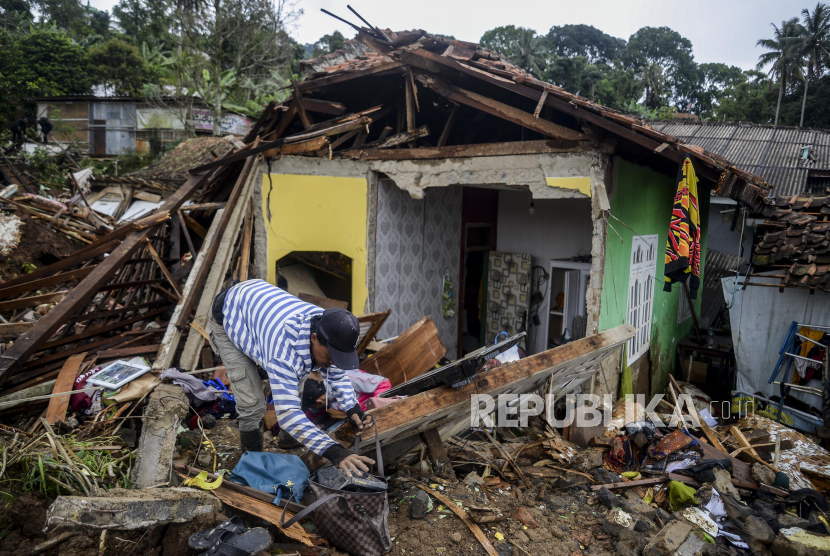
column 643, row 201
column 558, row 229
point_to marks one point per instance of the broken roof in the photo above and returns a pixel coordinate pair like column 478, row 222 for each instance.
column 774, row 153
column 187, row 154
column 435, row 97
column 796, row 236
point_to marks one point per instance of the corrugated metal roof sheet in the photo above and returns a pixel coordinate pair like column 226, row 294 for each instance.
column 770, row 152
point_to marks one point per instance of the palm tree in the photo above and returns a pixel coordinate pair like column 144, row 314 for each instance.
column 529, row 52
column 814, row 47
column 651, row 80
column 782, row 55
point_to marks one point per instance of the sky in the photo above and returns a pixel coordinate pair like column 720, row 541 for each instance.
column 720, row 30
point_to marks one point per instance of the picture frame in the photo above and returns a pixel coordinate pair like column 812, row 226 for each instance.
column 117, row 374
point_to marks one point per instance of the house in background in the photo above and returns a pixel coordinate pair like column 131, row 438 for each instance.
column 541, row 211
column 111, row 126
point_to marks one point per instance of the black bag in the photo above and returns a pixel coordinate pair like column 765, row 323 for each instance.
column 356, row 522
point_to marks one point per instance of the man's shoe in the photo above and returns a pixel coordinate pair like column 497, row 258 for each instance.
column 287, row 442
column 251, row 441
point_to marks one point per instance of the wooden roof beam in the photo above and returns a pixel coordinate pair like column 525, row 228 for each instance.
column 501, row 110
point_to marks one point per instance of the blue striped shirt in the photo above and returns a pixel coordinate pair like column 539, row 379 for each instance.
column 273, row 328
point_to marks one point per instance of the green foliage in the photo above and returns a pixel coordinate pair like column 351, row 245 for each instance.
column 327, row 44
column 119, row 65
column 44, row 167
column 520, row 45
column 40, row 63
column 145, row 21
column 586, row 41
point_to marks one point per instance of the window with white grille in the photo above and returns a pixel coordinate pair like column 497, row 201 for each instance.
column 641, row 293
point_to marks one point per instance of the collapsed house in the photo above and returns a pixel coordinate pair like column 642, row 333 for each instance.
column 444, row 196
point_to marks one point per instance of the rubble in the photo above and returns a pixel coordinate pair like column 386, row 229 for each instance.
column 130, row 509
column 166, row 407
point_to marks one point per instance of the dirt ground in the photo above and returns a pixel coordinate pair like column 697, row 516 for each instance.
column 567, row 524
column 38, row 245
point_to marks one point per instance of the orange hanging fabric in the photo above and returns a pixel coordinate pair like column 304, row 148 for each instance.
column 683, row 244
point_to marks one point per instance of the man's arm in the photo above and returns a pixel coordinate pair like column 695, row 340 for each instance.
column 343, row 391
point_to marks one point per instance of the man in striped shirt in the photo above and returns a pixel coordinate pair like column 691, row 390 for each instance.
column 256, row 324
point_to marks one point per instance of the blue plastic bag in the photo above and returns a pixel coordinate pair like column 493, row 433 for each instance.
column 283, row 475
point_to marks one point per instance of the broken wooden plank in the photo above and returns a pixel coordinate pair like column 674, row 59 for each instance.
column 413, row 353
column 220, row 263
column 190, row 301
column 311, row 145
column 31, row 341
column 15, row 327
column 503, row 111
column 631, row 484
column 85, row 254
column 173, row 334
column 445, row 133
column 566, row 366
column 245, row 259
column 323, row 82
column 507, row 456
column 707, row 430
column 118, row 353
column 323, row 106
column 470, row 151
column 164, row 269
column 60, row 278
column 400, row 138
column 477, row 532
column 65, row 382
column 358, row 123
column 374, row 322
column 298, row 100
column 541, row 104
column 744, row 443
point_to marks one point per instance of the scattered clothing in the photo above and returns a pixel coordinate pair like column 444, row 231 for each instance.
column 87, row 403
column 682, row 261
column 623, row 455
column 704, row 472
column 681, row 495
column 671, row 443
column 192, row 386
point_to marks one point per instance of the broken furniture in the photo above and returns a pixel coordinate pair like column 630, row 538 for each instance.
column 408, row 356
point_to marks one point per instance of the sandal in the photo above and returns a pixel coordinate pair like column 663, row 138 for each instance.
column 205, row 539
column 249, row 543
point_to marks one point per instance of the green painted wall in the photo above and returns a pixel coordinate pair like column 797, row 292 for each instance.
column 643, row 201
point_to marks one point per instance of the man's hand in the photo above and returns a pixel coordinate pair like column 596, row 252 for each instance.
column 367, row 420
column 354, row 463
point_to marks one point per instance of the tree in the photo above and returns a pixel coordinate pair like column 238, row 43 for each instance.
column 145, row 21
column 529, row 52
column 41, row 63
column 501, row 39
column 119, row 65
column 781, row 56
column 328, row 44
column 584, row 40
column 651, row 81
column 814, row 46
column 715, row 82
column 747, row 101
column 673, row 53
column 229, row 40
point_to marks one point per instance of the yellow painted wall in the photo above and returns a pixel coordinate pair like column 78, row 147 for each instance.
column 318, row 213
column 581, row 184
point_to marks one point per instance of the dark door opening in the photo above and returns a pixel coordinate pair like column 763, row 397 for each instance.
column 479, row 214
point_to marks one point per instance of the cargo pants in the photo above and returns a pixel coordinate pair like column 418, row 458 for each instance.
column 243, row 375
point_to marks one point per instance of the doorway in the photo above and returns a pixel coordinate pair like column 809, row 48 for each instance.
column 319, row 277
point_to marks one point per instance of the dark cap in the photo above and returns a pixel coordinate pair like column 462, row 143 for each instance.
column 340, row 331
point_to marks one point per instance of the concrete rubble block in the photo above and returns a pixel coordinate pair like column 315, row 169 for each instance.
column 130, row 509
column 691, row 546
column 607, row 498
column 580, row 435
column 723, row 482
column 617, row 521
column 166, row 407
column 668, row 539
column 762, row 474
column 798, row 542
column 586, row 460
column 787, row 521
column 639, row 508
column 631, row 543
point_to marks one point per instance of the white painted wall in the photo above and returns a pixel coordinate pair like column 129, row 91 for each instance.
column 760, row 320
column 558, row 229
